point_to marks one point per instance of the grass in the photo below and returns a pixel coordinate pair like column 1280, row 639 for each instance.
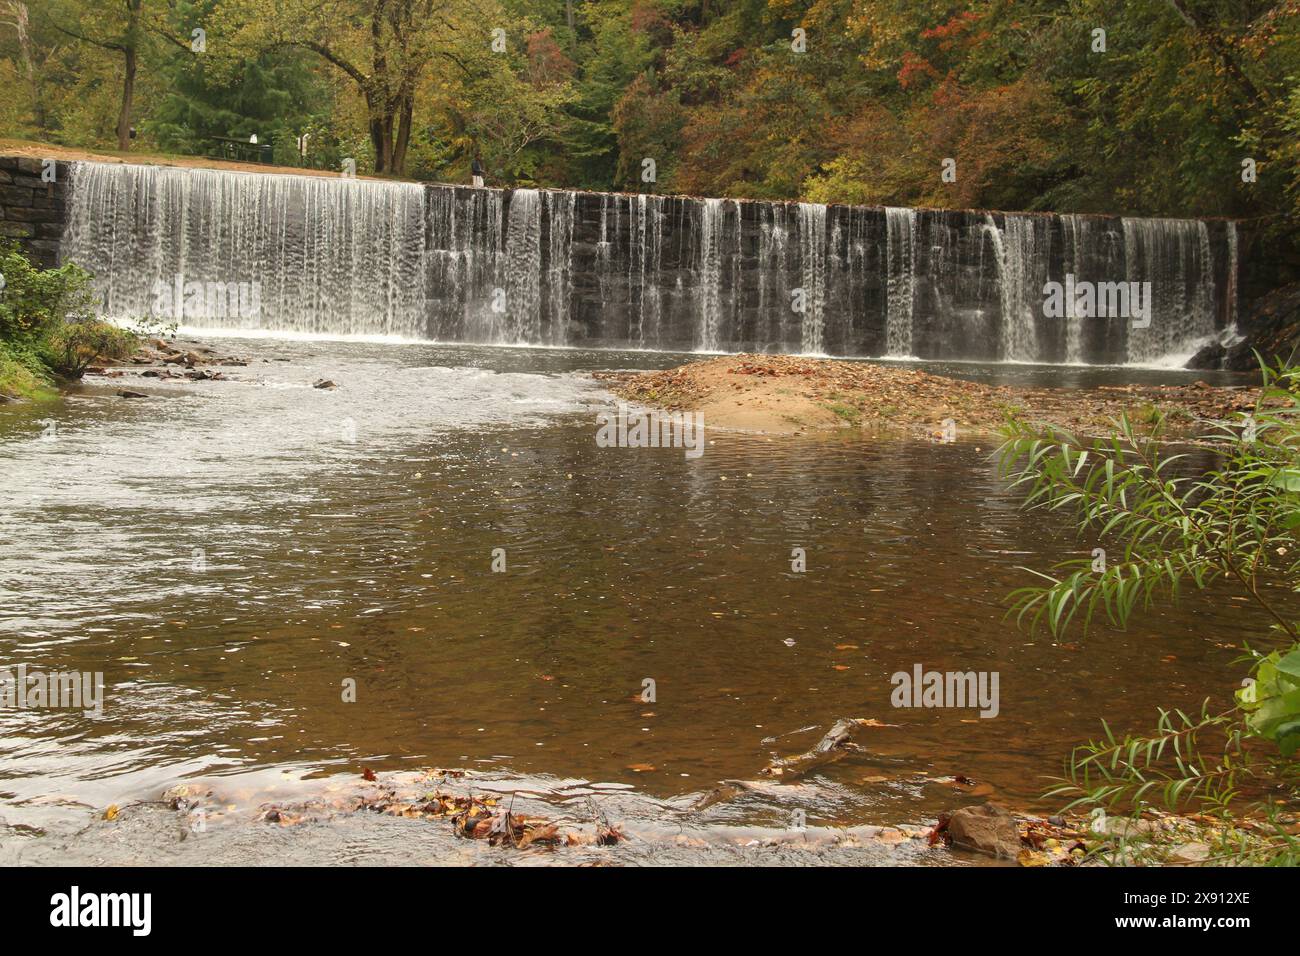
column 846, row 413
column 23, row 374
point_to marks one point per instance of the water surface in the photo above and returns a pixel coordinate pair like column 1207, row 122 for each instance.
column 230, row 553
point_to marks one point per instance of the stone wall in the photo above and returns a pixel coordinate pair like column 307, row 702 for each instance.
column 32, row 210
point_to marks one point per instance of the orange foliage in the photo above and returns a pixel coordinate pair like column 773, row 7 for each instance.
column 547, row 62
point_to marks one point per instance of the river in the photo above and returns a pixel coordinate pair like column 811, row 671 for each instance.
column 231, row 553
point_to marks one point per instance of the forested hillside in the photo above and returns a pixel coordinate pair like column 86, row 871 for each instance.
column 1148, row 107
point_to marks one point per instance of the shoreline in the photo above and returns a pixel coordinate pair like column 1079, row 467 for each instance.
column 447, row 815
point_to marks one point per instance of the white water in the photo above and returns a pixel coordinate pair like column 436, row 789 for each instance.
column 710, row 274
column 900, row 282
column 338, row 257
column 812, row 260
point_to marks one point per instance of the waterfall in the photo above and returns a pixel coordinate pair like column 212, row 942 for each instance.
column 1232, row 276
column 523, row 269
column 559, row 262
column 1076, row 231
column 647, row 246
column 1020, row 296
column 1168, row 253
column 812, row 262
column 900, row 254
column 335, row 256
column 710, row 274
column 774, row 293
column 326, row 255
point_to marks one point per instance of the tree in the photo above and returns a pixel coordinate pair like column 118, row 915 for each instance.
column 14, row 15
column 118, row 26
column 384, row 48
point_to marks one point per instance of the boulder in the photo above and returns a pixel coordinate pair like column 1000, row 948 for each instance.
column 988, row 829
column 1270, row 325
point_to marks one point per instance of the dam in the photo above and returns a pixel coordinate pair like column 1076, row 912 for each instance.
column 353, row 257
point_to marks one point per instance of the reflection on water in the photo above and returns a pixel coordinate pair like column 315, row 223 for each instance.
column 229, row 554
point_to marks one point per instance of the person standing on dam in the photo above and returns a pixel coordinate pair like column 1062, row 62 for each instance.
column 476, row 170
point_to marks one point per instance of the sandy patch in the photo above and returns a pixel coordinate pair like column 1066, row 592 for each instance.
column 782, row 394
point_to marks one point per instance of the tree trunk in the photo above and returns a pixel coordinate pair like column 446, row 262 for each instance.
column 407, row 108
column 128, row 93
column 377, row 143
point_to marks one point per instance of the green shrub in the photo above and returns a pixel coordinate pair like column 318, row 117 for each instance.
column 34, row 300
column 47, row 325
column 1165, row 530
column 71, row 347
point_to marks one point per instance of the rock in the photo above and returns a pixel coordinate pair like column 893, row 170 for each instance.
column 1190, row 853
column 1270, row 324
column 323, row 383
column 987, row 829
column 1127, row 828
column 127, row 393
column 1210, row 356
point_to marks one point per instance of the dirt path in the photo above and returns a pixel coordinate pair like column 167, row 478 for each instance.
column 35, row 150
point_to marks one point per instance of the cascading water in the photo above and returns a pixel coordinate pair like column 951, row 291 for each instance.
column 1232, row 277
column 1021, row 298
column 328, row 255
column 1076, row 229
column 643, row 266
column 559, row 262
column 812, row 260
column 523, row 264
column 710, row 273
column 1170, row 255
column 900, row 254
column 774, row 288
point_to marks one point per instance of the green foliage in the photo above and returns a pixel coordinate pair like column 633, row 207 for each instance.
column 70, row 347
column 274, row 94
column 1272, row 701
column 1164, row 528
column 33, row 299
column 47, row 326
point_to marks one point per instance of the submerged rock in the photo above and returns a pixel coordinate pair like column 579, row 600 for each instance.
column 987, row 829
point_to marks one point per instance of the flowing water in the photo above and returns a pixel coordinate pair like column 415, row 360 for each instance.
column 449, row 264
column 229, row 553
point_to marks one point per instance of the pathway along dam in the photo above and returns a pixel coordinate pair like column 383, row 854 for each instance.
column 548, row 267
